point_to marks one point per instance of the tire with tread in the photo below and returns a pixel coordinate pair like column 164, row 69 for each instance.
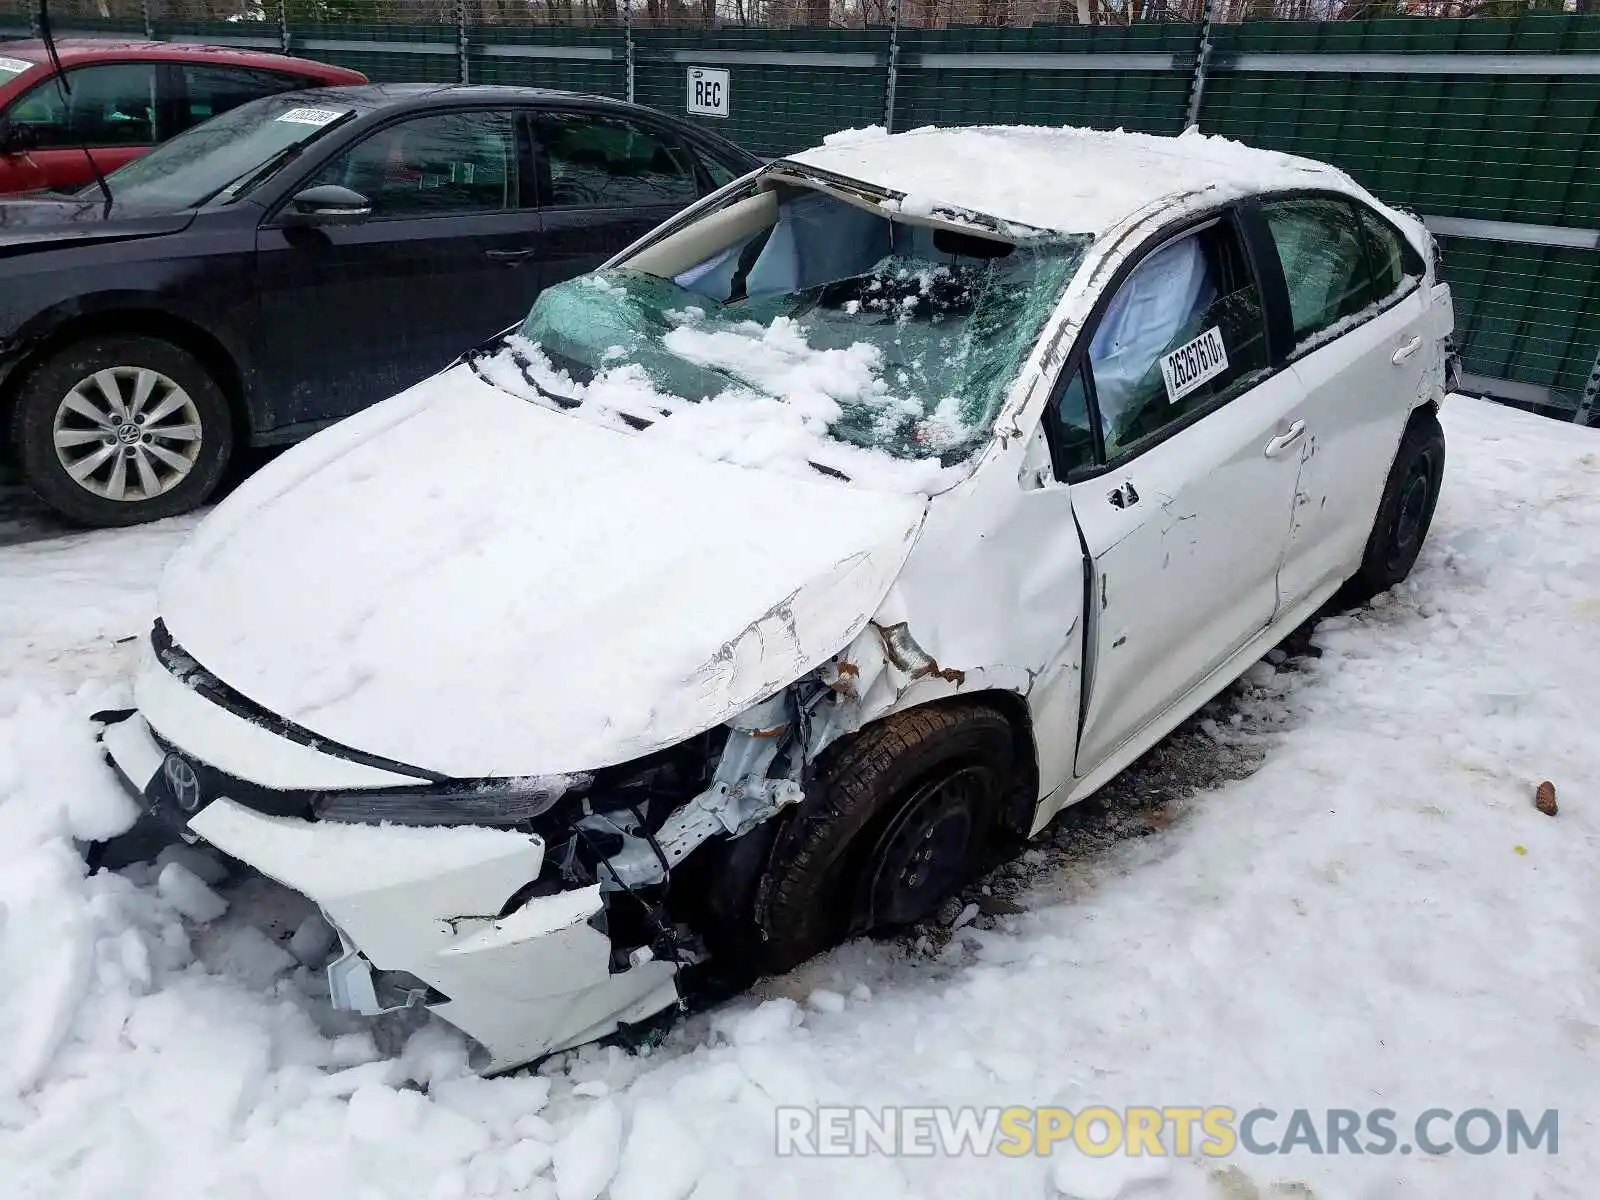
column 1386, row 561
column 41, row 393
column 804, row 898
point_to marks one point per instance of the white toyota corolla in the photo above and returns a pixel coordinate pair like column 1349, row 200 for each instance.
column 888, row 500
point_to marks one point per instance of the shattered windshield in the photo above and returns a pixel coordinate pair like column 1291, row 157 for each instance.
column 872, row 334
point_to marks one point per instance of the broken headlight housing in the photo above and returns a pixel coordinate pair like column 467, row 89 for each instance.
column 652, row 784
column 499, row 804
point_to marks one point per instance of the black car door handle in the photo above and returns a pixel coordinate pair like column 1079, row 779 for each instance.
column 508, row 256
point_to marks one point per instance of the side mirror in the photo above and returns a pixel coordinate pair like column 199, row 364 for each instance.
column 327, row 204
column 16, row 139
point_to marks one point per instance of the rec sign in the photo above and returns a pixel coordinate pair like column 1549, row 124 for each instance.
column 708, row 92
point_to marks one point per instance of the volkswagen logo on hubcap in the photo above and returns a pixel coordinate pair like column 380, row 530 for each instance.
column 185, row 784
column 128, row 433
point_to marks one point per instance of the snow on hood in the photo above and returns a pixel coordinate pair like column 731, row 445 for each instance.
column 464, row 581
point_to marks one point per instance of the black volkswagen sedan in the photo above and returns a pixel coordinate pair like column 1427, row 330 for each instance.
column 299, row 258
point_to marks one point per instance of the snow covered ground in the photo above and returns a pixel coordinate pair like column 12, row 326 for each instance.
column 1377, row 917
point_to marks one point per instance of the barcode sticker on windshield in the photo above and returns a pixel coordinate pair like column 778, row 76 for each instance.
column 311, row 116
column 14, row 66
column 1191, row 364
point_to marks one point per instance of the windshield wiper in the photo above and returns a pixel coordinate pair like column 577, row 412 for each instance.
column 274, row 163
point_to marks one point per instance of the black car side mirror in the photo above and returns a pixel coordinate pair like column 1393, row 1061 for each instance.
column 16, row 139
column 327, row 204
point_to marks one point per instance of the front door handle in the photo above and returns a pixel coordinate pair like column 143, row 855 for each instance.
column 1284, row 440
column 508, row 256
column 1406, row 351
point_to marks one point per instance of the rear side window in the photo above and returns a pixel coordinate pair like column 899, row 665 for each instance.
column 1183, row 332
column 213, row 90
column 1324, row 261
column 593, row 161
column 111, row 104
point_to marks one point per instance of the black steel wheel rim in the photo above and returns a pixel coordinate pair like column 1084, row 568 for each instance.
column 924, row 853
column 1414, row 493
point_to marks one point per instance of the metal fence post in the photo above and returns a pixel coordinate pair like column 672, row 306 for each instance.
column 627, row 44
column 1591, row 394
column 893, row 76
column 1202, row 56
column 283, row 25
column 149, row 23
column 461, row 38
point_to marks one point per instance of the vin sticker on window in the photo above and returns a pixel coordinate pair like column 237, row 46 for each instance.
column 311, row 116
column 1191, row 364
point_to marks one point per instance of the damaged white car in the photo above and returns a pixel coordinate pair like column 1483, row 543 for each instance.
column 886, row 501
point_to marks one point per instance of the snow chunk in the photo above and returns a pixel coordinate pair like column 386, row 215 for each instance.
column 205, row 867
column 313, row 941
column 1115, row 1177
column 825, row 1001
column 862, row 133
column 662, row 1161
column 525, row 1160
column 768, row 1022
column 785, row 432
column 183, row 889
column 587, row 1156
column 250, row 956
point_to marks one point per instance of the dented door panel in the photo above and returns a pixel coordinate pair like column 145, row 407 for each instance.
column 1360, row 391
column 1186, row 541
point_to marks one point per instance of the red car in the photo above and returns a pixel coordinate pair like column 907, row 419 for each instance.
column 124, row 98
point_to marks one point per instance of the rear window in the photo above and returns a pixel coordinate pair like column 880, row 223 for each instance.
column 10, row 68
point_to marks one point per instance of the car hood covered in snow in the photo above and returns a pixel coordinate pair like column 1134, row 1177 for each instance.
column 466, row 582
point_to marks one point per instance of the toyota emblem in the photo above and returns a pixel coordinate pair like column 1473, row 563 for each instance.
column 185, row 784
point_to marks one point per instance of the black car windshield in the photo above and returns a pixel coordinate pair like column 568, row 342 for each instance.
column 836, row 324
column 244, row 146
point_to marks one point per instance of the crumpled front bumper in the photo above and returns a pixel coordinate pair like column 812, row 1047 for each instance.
column 428, row 913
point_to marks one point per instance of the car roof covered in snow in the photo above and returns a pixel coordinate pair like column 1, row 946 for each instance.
column 1063, row 179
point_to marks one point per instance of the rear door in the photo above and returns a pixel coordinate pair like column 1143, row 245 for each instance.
column 604, row 181
column 348, row 315
column 1187, row 516
column 1361, row 349
column 115, row 111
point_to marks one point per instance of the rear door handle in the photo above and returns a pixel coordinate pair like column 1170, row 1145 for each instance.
column 1284, row 440
column 1406, row 351
column 508, row 256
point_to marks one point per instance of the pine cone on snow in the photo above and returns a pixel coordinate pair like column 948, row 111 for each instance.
column 1545, row 798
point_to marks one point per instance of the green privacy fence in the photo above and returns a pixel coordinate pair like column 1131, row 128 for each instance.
column 1489, row 129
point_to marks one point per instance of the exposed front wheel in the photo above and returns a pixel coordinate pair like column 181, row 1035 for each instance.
column 1404, row 513
column 895, row 822
column 119, row 430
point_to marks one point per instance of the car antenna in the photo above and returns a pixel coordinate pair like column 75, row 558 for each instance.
column 65, row 89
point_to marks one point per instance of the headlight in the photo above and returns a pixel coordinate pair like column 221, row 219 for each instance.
column 506, row 803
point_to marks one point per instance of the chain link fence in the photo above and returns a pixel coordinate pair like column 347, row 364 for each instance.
column 1481, row 115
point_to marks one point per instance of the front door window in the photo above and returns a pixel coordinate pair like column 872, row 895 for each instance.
column 111, row 104
column 441, row 165
column 1184, row 332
